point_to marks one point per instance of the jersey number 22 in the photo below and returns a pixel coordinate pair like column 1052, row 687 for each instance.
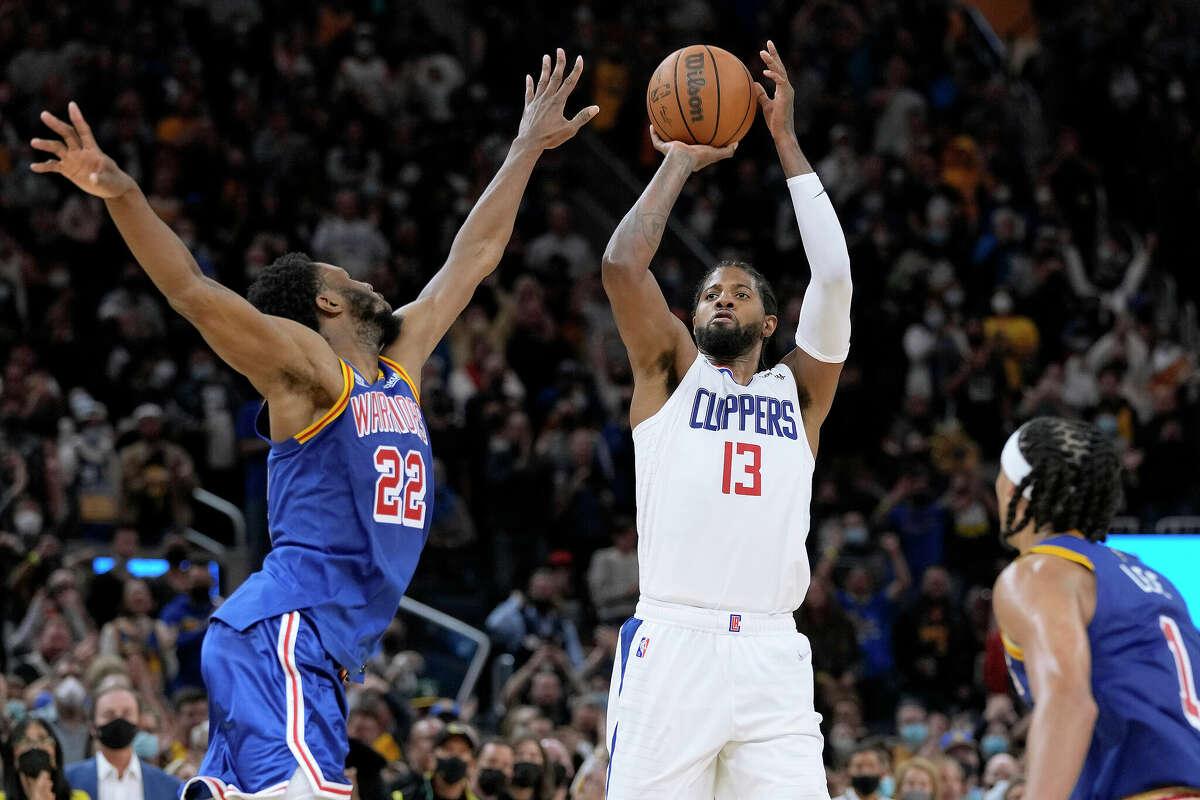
column 393, row 504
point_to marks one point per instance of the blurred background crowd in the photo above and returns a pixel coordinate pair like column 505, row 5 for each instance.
column 1017, row 185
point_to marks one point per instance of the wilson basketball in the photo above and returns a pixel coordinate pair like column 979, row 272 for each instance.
column 701, row 95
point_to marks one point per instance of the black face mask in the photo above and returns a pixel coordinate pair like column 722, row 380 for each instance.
column 560, row 774
column 526, row 774
column 34, row 762
column 199, row 595
column 452, row 769
column 865, row 785
column 492, row 781
column 117, row 734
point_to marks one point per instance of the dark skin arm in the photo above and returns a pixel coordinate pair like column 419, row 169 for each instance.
column 291, row 365
column 660, row 346
column 1044, row 603
column 481, row 241
column 817, row 380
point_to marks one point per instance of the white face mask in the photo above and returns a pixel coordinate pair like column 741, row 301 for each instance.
column 70, row 693
column 28, row 522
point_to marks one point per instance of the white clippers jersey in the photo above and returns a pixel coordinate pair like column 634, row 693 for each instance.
column 724, row 481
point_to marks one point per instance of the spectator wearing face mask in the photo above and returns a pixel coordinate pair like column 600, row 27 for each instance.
column 454, row 754
column 959, row 746
column 33, row 767
column 867, row 768
column 115, row 772
column 493, row 771
column 531, row 779
column 917, row 779
column 53, row 643
column 70, row 725
column 911, row 728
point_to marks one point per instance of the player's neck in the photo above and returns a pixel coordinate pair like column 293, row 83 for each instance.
column 743, row 367
column 1028, row 539
column 357, row 354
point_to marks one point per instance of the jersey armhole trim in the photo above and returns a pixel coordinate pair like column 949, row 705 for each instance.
column 403, row 376
column 1011, row 648
column 334, row 412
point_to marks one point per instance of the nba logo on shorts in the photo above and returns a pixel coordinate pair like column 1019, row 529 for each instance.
column 735, row 622
column 643, row 646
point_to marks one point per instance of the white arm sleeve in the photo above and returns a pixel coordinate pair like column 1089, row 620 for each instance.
column 824, row 328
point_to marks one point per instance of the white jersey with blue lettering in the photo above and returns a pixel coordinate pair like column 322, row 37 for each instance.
column 724, row 481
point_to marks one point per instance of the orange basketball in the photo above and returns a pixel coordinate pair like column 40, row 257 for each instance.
column 701, row 95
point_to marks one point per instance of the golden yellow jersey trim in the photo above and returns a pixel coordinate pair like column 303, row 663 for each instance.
column 1063, row 552
column 1011, row 648
column 333, row 413
column 403, row 374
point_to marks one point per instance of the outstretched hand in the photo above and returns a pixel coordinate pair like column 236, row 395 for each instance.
column 79, row 159
column 543, row 123
column 778, row 111
column 701, row 154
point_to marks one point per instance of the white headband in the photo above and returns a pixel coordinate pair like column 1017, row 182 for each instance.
column 1014, row 463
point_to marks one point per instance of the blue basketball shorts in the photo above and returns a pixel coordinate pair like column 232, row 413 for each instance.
column 275, row 703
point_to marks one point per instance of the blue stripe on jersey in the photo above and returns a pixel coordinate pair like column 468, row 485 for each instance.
column 628, row 631
column 349, row 512
column 1147, row 734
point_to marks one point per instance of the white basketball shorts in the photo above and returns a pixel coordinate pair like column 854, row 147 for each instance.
column 707, row 703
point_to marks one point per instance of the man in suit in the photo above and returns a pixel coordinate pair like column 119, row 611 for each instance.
column 115, row 773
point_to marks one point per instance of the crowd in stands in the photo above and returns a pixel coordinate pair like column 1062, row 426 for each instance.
column 1020, row 221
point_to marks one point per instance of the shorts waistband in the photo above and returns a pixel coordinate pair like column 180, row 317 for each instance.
column 714, row 620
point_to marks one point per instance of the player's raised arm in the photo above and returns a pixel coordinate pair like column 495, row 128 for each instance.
column 271, row 351
column 481, row 241
column 1044, row 603
column 654, row 337
column 823, row 335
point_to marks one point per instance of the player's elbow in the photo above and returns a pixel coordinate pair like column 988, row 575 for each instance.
column 190, row 301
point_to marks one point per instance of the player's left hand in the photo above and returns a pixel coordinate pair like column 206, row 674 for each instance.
column 543, row 123
column 778, row 111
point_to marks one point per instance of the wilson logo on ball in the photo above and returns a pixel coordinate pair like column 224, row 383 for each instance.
column 694, row 63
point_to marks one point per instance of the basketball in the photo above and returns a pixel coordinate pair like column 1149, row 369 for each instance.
column 701, row 94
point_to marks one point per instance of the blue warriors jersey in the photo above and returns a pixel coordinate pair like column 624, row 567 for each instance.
column 349, row 503
column 1144, row 649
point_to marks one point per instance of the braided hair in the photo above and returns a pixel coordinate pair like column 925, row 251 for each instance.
column 1075, row 479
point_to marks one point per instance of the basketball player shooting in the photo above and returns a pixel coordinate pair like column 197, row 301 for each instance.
column 1101, row 641
column 350, row 465
column 712, row 688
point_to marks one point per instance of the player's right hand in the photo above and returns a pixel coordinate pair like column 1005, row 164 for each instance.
column 79, row 159
column 701, row 154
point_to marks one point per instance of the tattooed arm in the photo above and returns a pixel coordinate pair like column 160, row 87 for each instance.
column 659, row 344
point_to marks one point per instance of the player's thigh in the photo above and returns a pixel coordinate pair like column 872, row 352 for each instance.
column 772, row 682
column 667, row 716
column 785, row 766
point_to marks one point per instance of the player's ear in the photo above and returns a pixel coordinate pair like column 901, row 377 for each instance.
column 770, row 323
column 329, row 303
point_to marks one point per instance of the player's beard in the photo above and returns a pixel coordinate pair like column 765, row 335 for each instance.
column 727, row 342
column 374, row 325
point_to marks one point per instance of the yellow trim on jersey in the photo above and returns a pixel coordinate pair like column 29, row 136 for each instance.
column 1011, row 648
column 1063, row 552
column 403, row 374
column 338, row 407
column 1167, row 793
